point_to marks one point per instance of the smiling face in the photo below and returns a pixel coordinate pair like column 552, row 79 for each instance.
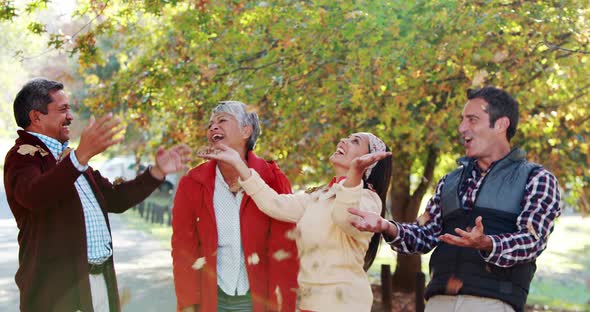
column 356, row 145
column 481, row 141
column 225, row 128
column 56, row 123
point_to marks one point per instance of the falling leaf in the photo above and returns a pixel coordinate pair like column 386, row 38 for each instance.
column 125, row 296
column 423, row 218
column 500, row 56
column 293, row 234
column 479, row 78
column 253, row 259
column 315, row 266
column 279, row 297
column 531, row 229
column 63, row 154
column 199, row 264
column 281, row 255
column 339, row 294
column 454, row 285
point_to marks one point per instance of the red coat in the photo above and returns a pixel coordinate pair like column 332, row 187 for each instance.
column 53, row 263
column 194, row 236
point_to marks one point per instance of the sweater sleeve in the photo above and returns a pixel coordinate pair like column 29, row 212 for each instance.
column 283, row 207
column 353, row 197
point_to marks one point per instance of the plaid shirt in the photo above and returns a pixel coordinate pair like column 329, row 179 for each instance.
column 540, row 206
column 98, row 238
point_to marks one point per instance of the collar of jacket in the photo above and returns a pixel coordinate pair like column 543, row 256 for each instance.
column 27, row 138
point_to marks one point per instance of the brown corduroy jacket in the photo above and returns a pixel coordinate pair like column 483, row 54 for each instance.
column 53, row 263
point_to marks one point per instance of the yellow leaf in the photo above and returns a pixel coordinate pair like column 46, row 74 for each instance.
column 454, row 285
column 253, row 259
column 281, row 255
column 199, row 264
column 531, row 229
column 423, row 218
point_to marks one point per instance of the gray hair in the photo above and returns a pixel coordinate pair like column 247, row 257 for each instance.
column 245, row 118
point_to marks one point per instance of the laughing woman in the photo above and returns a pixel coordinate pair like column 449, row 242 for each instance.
column 334, row 255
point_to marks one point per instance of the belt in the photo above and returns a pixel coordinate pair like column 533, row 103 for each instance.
column 95, row 269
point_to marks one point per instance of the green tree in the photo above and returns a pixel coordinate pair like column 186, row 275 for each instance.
column 316, row 71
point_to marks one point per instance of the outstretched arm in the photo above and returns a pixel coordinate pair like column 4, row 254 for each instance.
column 541, row 205
column 420, row 236
column 283, row 207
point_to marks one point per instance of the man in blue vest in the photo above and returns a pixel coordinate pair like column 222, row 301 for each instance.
column 488, row 220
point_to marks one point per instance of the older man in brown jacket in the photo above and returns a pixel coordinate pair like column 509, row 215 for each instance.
column 60, row 203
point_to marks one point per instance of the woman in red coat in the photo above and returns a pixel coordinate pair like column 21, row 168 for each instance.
column 226, row 252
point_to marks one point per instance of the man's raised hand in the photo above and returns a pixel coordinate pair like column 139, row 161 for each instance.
column 97, row 136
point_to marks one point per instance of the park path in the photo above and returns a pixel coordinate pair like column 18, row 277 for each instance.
column 143, row 264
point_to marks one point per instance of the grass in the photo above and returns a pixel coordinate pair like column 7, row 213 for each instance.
column 562, row 279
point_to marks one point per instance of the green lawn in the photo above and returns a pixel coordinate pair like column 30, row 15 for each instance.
column 563, row 270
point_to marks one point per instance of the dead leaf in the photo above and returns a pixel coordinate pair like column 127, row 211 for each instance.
column 531, row 229
column 125, row 296
column 293, row 234
column 31, row 150
column 281, row 255
column 118, row 181
column 63, row 154
column 339, row 294
column 199, row 264
column 454, row 285
column 279, row 297
column 253, row 259
column 423, row 218
column 479, row 77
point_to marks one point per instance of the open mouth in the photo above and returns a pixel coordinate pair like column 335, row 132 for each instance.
column 339, row 151
column 217, row 137
column 467, row 140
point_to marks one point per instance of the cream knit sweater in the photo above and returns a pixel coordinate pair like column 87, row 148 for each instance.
column 331, row 250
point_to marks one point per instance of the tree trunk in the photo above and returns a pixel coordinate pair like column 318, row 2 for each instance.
column 404, row 208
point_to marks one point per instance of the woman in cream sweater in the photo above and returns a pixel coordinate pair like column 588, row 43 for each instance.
column 333, row 254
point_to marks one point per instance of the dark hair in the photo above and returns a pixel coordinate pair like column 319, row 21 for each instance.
column 500, row 104
column 378, row 180
column 35, row 95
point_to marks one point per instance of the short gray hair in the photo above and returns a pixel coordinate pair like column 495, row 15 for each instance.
column 245, row 118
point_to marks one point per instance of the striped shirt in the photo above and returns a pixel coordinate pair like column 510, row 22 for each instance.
column 98, row 238
column 540, row 207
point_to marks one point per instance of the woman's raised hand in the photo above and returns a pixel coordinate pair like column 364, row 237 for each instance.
column 220, row 152
column 359, row 165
